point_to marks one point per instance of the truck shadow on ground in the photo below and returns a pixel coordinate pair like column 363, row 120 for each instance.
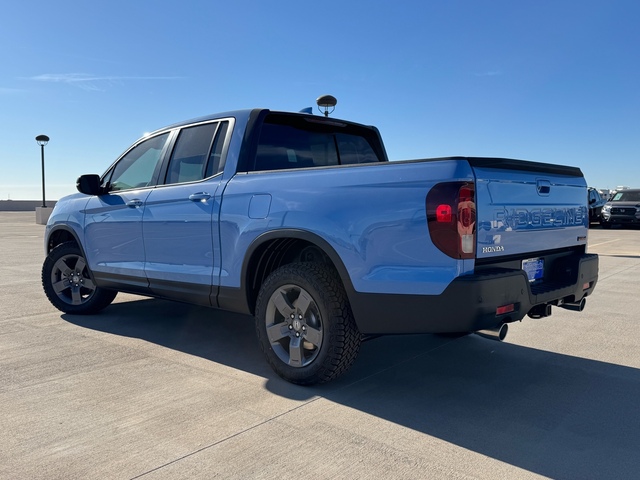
column 551, row 414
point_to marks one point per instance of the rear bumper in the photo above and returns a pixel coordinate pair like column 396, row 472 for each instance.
column 469, row 303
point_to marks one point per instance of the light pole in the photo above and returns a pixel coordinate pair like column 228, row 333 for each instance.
column 42, row 141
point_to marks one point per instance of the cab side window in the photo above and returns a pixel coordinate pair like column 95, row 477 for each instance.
column 216, row 161
column 191, row 153
column 139, row 167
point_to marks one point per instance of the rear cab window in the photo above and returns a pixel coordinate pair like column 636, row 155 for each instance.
column 295, row 141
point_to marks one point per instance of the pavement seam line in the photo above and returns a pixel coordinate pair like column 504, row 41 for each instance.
column 223, row 440
column 253, row 427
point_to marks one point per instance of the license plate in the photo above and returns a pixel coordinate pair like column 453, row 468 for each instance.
column 534, row 267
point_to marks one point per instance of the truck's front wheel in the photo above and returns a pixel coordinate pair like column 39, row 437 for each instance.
column 68, row 283
column 305, row 325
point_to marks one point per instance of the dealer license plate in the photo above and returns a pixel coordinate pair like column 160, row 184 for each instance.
column 534, row 267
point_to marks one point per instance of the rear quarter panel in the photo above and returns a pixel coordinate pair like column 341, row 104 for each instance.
column 373, row 216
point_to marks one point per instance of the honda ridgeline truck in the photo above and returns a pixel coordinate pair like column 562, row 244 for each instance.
column 302, row 222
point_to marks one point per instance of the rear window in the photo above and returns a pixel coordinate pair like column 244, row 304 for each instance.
column 189, row 158
column 288, row 141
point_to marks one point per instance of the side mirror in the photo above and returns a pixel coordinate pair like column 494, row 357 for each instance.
column 88, row 184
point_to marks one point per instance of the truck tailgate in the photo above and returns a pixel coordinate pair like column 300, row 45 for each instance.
column 527, row 207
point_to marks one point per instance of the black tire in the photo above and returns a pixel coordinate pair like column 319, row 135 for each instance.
column 68, row 283
column 305, row 325
column 606, row 225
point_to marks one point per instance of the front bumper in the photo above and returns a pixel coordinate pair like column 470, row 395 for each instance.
column 470, row 302
column 620, row 219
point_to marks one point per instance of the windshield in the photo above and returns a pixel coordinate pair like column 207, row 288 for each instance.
column 627, row 196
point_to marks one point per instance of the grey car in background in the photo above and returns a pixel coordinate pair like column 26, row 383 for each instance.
column 622, row 209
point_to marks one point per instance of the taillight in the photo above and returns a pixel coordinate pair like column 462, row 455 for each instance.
column 451, row 217
column 443, row 213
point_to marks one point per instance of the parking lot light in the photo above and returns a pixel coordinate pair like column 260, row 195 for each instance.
column 42, row 140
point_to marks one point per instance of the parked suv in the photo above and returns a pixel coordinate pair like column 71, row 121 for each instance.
column 622, row 209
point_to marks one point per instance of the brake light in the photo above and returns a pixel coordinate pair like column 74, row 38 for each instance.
column 451, row 218
column 443, row 214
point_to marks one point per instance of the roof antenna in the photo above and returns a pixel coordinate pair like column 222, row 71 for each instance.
column 327, row 102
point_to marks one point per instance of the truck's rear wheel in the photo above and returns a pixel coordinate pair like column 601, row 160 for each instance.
column 68, row 284
column 305, row 325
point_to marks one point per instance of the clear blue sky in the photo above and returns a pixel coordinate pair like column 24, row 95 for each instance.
column 548, row 80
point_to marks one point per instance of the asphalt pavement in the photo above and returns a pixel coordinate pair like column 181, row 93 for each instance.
column 160, row 390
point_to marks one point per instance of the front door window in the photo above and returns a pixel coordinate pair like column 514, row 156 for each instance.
column 139, row 167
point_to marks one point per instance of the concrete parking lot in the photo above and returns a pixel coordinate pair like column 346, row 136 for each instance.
column 153, row 389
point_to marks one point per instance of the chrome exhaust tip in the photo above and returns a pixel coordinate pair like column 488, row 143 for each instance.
column 497, row 333
column 575, row 307
column 540, row 311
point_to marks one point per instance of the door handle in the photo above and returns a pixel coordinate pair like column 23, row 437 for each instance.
column 199, row 197
column 135, row 203
column 544, row 187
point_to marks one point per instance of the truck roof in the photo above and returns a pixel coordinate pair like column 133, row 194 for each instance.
column 243, row 115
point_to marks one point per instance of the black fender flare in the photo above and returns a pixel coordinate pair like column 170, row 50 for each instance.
column 66, row 229
column 298, row 234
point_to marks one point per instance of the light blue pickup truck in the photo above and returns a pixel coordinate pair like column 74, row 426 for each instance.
column 301, row 221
